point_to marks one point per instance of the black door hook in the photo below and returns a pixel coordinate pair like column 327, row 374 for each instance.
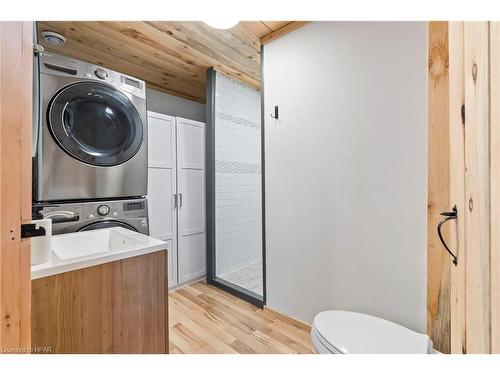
column 449, row 215
column 276, row 113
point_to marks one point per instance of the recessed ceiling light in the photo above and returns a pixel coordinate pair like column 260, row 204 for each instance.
column 53, row 38
column 222, row 23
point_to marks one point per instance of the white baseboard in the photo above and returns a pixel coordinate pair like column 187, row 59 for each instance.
column 189, row 282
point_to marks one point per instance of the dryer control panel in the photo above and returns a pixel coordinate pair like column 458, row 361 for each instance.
column 51, row 63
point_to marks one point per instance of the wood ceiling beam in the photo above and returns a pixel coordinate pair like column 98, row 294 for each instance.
column 256, row 27
column 276, row 25
column 242, row 33
column 288, row 28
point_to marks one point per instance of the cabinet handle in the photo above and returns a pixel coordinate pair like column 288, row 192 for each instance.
column 180, row 199
column 175, row 200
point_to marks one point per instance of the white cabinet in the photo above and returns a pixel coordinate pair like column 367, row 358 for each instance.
column 162, row 185
column 176, row 193
column 161, row 141
column 191, row 189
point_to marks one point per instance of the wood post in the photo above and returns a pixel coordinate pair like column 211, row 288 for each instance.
column 477, row 195
column 472, row 147
column 16, row 54
column 457, row 185
column 438, row 264
column 495, row 184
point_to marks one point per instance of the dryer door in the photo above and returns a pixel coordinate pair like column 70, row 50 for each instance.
column 95, row 123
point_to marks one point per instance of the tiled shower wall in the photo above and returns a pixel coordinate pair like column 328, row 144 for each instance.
column 238, row 189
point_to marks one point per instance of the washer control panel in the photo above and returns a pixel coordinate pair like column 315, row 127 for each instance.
column 132, row 212
column 101, row 73
column 103, row 210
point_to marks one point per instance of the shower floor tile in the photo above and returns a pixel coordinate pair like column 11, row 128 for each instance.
column 249, row 277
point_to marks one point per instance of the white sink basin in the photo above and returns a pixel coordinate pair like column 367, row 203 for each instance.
column 75, row 251
column 93, row 242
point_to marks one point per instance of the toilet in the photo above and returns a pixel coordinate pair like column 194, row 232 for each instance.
column 347, row 332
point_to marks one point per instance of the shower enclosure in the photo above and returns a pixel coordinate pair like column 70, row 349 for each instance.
column 235, row 245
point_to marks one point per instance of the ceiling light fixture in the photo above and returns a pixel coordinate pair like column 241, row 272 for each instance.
column 53, row 38
column 222, row 23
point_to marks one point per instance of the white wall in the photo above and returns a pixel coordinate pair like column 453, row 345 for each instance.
column 174, row 106
column 346, row 170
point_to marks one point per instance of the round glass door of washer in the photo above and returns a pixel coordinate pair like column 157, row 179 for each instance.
column 96, row 124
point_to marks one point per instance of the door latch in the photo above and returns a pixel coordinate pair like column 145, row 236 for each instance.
column 38, row 49
column 30, row 230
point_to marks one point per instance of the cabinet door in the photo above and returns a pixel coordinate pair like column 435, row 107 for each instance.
column 191, row 190
column 172, row 262
column 162, row 186
column 161, row 140
column 162, row 214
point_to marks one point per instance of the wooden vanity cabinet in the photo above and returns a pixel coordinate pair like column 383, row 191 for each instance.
column 116, row 307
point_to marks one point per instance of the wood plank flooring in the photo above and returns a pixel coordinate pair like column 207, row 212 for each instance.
column 204, row 319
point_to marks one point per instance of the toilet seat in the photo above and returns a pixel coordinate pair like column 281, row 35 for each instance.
column 355, row 333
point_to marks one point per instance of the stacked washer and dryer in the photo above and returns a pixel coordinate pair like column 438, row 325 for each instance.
column 90, row 147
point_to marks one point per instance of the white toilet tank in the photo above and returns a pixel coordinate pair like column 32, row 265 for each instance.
column 347, row 332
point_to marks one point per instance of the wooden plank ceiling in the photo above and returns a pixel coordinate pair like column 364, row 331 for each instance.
column 170, row 56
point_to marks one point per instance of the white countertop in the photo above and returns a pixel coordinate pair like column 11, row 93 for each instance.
column 141, row 244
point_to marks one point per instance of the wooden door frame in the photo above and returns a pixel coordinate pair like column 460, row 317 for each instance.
column 495, row 183
column 477, row 188
column 467, row 151
column 438, row 265
column 446, row 186
column 457, row 185
column 16, row 71
column 446, row 282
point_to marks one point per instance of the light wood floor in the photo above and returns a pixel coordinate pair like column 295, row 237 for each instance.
column 205, row 319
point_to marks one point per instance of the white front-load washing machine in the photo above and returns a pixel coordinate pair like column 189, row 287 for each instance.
column 92, row 135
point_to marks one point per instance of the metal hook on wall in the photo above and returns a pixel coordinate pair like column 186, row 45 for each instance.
column 276, row 113
column 449, row 215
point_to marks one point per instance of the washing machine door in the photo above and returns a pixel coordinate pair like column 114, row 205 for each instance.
column 95, row 123
column 107, row 224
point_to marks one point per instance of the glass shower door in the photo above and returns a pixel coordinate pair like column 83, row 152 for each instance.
column 234, row 154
